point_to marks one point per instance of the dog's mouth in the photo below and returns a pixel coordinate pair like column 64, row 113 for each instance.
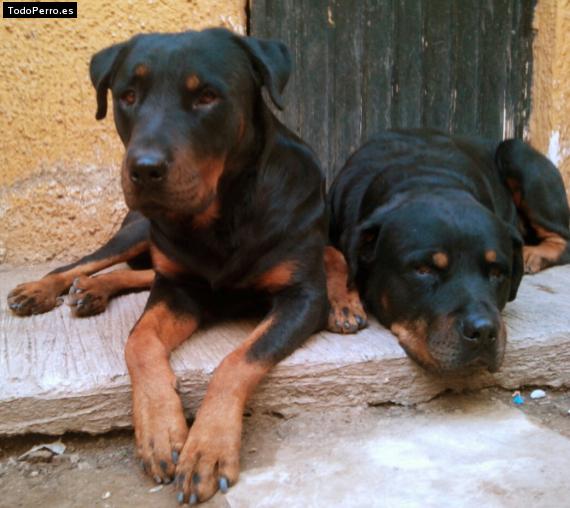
column 491, row 364
column 180, row 194
column 150, row 207
column 172, row 207
column 145, row 202
column 439, row 349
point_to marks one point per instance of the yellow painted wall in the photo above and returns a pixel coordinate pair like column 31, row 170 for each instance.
column 59, row 188
column 550, row 117
column 60, row 195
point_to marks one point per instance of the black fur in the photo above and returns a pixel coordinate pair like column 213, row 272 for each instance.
column 270, row 196
column 407, row 195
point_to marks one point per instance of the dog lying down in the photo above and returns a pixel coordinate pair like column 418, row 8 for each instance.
column 438, row 230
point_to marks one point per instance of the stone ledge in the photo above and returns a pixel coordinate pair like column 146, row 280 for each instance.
column 59, row 373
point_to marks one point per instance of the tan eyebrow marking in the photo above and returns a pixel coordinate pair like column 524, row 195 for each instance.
column 141, row 70
column 192, row 82
column 490, row 256
column 440, row 260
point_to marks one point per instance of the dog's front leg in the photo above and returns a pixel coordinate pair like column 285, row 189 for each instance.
column 210, row 457
column 170, row 317
column 44, row 294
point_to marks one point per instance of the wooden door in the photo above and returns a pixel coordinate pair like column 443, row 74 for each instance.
column 462, row 66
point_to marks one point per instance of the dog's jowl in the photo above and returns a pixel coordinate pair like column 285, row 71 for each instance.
column 438, row 231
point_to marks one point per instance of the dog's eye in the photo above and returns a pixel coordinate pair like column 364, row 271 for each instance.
column 206, row 98
column 424, row 270
column 129, row 97
column 496, row 273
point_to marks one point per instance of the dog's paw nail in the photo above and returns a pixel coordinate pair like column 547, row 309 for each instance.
column 59, row 301
column 193, row 499
column 157, row 479
column 79, row 302
column 180, row 497
column 163, row 466
column 347, row 325
column 224, row 484
column 175, row 457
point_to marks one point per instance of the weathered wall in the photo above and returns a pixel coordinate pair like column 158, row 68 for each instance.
column 550, row 118
column 59, row 189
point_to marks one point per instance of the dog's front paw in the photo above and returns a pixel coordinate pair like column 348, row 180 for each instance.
column 346, row 314
column 209, row 461
column 35, row 297
column 533, row 260
column 547, row 253
column 88, row 296
column 160, row 430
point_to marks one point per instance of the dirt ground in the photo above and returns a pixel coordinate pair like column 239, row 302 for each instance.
column 101, row 471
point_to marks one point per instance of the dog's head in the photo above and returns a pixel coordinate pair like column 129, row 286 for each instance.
column 185, row 107
column 437, row 270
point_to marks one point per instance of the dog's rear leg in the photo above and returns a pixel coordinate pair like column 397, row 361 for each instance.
column 538, row 192
column 130, row 242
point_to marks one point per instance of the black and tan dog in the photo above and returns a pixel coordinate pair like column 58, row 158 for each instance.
column 437, row 232
column 230, row 206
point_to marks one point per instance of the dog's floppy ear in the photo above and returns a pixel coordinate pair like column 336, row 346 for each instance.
column 101, row 71
column 362, row 246
column 361, row 243
column 272, row 61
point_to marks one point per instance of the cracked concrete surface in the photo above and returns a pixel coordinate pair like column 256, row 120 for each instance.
column 456, row 451
column 468, row 454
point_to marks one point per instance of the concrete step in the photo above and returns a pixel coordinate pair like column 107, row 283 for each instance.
column 59, row 373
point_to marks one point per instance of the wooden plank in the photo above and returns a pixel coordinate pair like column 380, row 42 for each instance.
column 437, row 65
column 316, row 78
column 378, row 61
column 495, row 22
column 466, row 54
column 462, row 66
column 346, row 55
column 59, row 373
column 520, row 75
column 407, row 93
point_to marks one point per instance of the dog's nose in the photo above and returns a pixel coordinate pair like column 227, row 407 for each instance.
column 148, row 168
column 479, row 331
